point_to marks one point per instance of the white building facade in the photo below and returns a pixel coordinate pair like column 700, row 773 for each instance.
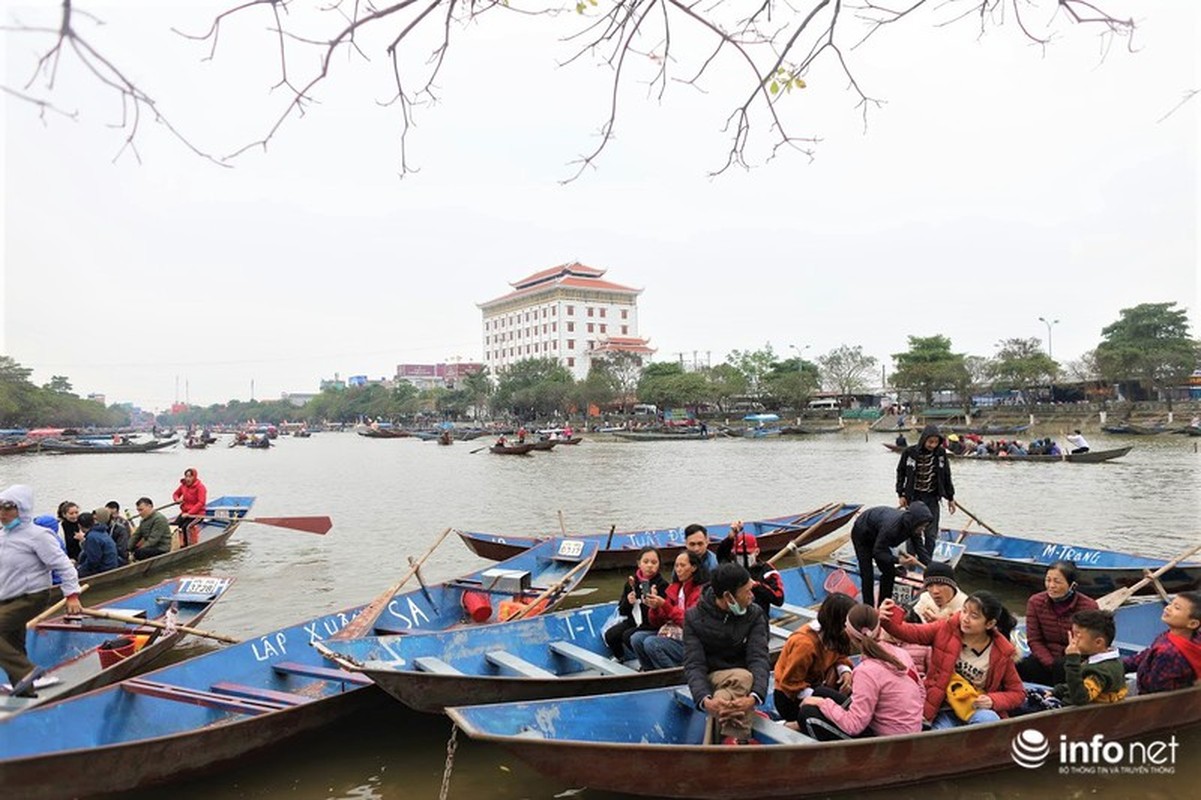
column 568, row 313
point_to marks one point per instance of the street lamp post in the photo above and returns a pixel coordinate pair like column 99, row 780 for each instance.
column 1050, row 354
column 800, row 357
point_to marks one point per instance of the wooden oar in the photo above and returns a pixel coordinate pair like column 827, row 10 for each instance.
column 319, row 525
column 476, row 450
column 554, row 588
column 362, row 624
column 976, row 519
column 150, row 623
column 609, row 541
column 562, row 524
column 52, row 610
column 791, row 547
column 1118, row 596
column 425, row 592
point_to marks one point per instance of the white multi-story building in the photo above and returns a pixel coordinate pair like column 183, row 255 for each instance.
column 568, row 313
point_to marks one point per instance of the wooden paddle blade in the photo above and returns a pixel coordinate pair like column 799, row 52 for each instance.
column 319, row 525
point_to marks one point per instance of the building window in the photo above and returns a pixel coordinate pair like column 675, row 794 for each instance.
column 571, row 344
column 570, row 361
column 625, row 314
column 535, row 347
column 571, row 327
column 544, row 329
column 571, row 311
column 544, row 313
column 590, row 343
column 590, row 311
column 590, row 327
column 556, row 344
column 604, row 328
column 554, row 326
column 602, row 313
column 625, row 329
column 554, row 311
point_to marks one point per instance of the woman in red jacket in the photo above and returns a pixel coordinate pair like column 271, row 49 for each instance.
column 192, row 498
column 662, row 647
column 1049, row 624
column 973, row 645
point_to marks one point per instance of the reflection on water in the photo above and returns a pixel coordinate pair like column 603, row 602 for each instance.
column 391, row 498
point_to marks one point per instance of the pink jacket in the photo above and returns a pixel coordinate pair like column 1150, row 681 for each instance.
column 887, row 701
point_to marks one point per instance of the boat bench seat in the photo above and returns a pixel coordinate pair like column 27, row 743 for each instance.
column 256, row 693
column 807, row 614
column 769, row 730
column 199, row 697
column 590, row 659
column 779, row 632
column 1129, row 647
column 322, row 673
column 435, row 666
column 512, row 663
column 187, row 597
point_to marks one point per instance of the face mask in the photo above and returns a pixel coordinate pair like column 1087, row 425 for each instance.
column 736, row 609
column 8, row 526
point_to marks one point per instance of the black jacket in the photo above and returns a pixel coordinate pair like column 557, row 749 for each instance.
column 884, row 527
column 627, row 610
column 716, row 639
column 907, row 467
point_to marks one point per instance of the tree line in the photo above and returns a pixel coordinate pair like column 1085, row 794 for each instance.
column 1149, row 346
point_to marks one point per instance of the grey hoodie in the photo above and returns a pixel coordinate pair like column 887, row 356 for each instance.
column 28, row 555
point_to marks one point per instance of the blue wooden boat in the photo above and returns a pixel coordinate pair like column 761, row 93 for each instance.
column 211, row 535
column 620, row 550
column 649, row 743
column 552, row 655
column 187, row 717
column 80, row 654
column 1024, row 562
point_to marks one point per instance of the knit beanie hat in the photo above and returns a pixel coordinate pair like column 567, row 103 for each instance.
column 939, row 572
column 102, row 516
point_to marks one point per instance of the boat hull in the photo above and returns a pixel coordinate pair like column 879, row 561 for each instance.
column 673, row 770
column 620, row 550
column 1024, row 562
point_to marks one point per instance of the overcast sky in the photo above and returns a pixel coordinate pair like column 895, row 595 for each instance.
column 998, row 184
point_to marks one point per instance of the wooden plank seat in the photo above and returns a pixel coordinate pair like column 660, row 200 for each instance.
column 768, row 730
column 779, row 632
column 96, row 627
column 807, row 614
column 507, row 661
column 473, row 585
column 186, row 597
column 199, row 697
column 590, row 659
column 256, row 693
column 435, row 666
column 322, row 673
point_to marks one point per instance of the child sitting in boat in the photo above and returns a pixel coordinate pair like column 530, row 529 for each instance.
column 815, row 659
column 942, row 596
column 972, row 677
column 888, row 694
column 1092, row 665
column 743, row 548
column 634, row 616
column 662, row 647
column 1173, row 661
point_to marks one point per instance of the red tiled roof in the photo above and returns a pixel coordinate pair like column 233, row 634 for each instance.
column 623, row 344
column 574, row 267
column 570, row 281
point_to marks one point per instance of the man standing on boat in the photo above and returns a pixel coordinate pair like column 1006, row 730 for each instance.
column 192, row 498
column 924, row 473
column 27, row 558
column 725, row 652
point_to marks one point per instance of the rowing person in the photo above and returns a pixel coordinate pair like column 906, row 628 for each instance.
column 192, row 497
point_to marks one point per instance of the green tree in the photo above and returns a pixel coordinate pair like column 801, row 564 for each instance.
column 790, row 388
column 1149, row 344
column 533, row 387
column 624, row 371
column 479, row 387
column 59, row 384
column 656, row 384
column 928, row 366
column 725, row 383
column 1022, row 364
column 597, row 389
column 754, row 366
column 845, row 369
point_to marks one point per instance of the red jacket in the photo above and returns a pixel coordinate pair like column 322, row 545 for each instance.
column 1048, row 625
column 192, row 499
column 1003, row 684
column 673, row 610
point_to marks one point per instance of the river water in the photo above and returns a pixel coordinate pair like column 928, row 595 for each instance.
column 390, row 498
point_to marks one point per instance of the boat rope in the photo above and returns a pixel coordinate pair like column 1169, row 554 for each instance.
column 452, row 744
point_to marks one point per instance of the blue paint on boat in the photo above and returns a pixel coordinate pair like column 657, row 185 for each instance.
column 1024, row 562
